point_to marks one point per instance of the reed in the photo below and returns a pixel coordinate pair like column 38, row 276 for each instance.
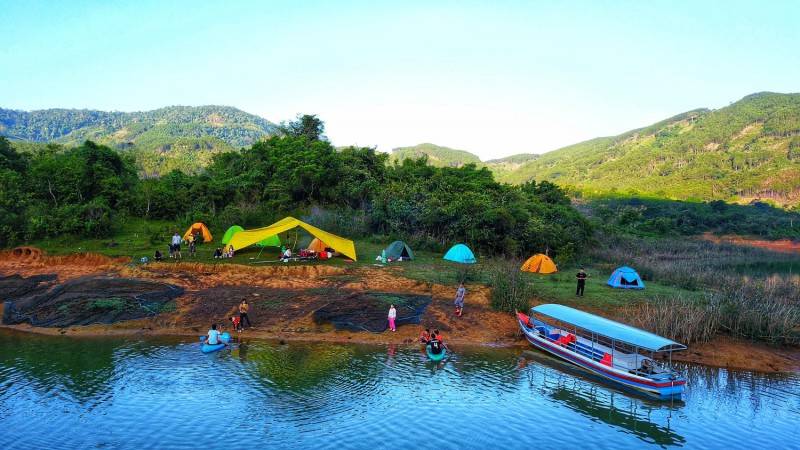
column 510, row 290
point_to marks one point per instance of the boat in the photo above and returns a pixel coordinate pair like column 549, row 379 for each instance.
column 208, row 348
column 435, row 356
column 611, row 350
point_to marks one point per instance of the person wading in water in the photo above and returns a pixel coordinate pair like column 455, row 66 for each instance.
column 581, row 276
column 244, row 308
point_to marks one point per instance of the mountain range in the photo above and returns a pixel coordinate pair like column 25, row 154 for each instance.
column 749, row 150
column 175, row 137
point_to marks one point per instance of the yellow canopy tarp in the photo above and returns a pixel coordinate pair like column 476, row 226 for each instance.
column 247, row 238
column 198, row 228
column 539, row 263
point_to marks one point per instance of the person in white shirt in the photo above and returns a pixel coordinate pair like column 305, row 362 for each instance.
column 392, row 316
column 176, row 245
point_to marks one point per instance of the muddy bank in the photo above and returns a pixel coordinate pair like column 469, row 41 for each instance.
column 780, row 245
column 306, row 302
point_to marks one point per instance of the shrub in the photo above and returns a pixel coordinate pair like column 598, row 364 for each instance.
column 510, row 291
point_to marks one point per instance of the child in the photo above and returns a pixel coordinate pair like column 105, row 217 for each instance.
column 425, row 336
column 236, row 321
column 460, row 292
column 218, row 253
column 158, row 256
column 392, row 316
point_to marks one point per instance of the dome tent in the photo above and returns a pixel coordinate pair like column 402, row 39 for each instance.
column 198, row 228
column 271, row 241
column 233, row 229
column 317, row 245
column 460, row 253
column 397, row 250
column 625, row 278
column 539, row 263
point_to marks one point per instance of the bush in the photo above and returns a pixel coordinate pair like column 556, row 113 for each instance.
column 510, row 291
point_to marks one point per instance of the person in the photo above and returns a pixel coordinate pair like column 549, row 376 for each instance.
column 192, row 245
column 435, row 344
column 229, row 254
column 176, row 245
column 158, row 256
column 213, row 336
column 287, row 254
column 392, row 317
column 236, row 322
column 218, row 253
column 581, row 276
column 460, row 293
column 425, row 336
column 244, row 308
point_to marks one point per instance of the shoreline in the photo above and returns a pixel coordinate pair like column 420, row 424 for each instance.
column 722, row 352
column 285, row 299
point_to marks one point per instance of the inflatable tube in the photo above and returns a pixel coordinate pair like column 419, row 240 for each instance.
column 433, row 356
column 206, row 348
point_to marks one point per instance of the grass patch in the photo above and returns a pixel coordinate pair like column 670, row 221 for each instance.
column 168, row 307
column 108, row 304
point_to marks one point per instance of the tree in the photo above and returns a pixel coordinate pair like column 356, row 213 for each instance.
column 307, row 125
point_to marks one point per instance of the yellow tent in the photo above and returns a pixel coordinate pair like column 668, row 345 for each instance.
column 198, row 228
column 246, row 238
column 317, row 245
column 539, row 263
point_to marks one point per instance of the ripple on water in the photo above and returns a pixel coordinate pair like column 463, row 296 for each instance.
column 164, row 393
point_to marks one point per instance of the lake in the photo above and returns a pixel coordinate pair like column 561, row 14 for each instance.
column 58, row 392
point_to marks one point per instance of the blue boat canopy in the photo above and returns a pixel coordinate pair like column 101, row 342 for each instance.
column 608, row 328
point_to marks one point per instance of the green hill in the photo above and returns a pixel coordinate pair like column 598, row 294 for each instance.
column 746, row 151
column 175, row 137
column 437, row 156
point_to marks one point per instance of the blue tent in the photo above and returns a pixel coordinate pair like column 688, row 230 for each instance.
column 625, row 278
column 460, row 253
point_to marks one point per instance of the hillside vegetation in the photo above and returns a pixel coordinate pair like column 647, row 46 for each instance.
column 436, row 155
column 748, row 150
column 176, row 137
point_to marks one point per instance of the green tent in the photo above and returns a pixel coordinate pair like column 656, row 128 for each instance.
column 398, row 249
column 271, row 241
column 229, row 234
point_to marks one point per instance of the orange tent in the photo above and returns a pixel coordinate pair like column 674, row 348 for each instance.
column 198, row 228
column 317, row 245
column 539, row 263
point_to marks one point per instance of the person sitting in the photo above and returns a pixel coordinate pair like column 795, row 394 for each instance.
column 287, row 254
column 218, row 253
column 158, row 256
column 230, row 251
column 647, row 366
column 425, row 336
column 435, row 344
column 213, row 337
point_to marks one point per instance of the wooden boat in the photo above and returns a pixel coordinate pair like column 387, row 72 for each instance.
column 609, row 349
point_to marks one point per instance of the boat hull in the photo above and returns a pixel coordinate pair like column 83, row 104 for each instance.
column 662, row 389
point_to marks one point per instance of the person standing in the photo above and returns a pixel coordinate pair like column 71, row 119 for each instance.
column 460, row 293
column 244, row 308
column 176, row 245
column 192, row 246
column 392, row 317
column 581, row 276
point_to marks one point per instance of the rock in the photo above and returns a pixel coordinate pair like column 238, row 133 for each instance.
column 42, row 302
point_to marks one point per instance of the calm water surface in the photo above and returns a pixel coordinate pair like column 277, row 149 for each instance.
column 157, row 393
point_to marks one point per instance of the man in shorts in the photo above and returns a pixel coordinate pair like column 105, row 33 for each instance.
column 176, row 245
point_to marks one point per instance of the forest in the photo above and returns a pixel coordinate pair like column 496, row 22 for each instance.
column 89, row 190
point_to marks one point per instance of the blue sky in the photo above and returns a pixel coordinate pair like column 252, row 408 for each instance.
column 495, row 78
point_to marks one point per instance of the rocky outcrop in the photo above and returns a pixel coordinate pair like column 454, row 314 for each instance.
column 43, row 302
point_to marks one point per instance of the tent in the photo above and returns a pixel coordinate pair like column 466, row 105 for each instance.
column 230, row 232
column 270, row 241
column 539, row 263
column 318, row 246
column 460, row 253
column 247, row 238
column 398, row 249
column 625, row 278
column 198, row 228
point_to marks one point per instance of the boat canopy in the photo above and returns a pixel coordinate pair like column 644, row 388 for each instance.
column 608, row 328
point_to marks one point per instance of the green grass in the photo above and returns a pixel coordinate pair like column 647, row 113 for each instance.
column 108, row 304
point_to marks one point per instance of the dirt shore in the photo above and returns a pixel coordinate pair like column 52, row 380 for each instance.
column 284, row 299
